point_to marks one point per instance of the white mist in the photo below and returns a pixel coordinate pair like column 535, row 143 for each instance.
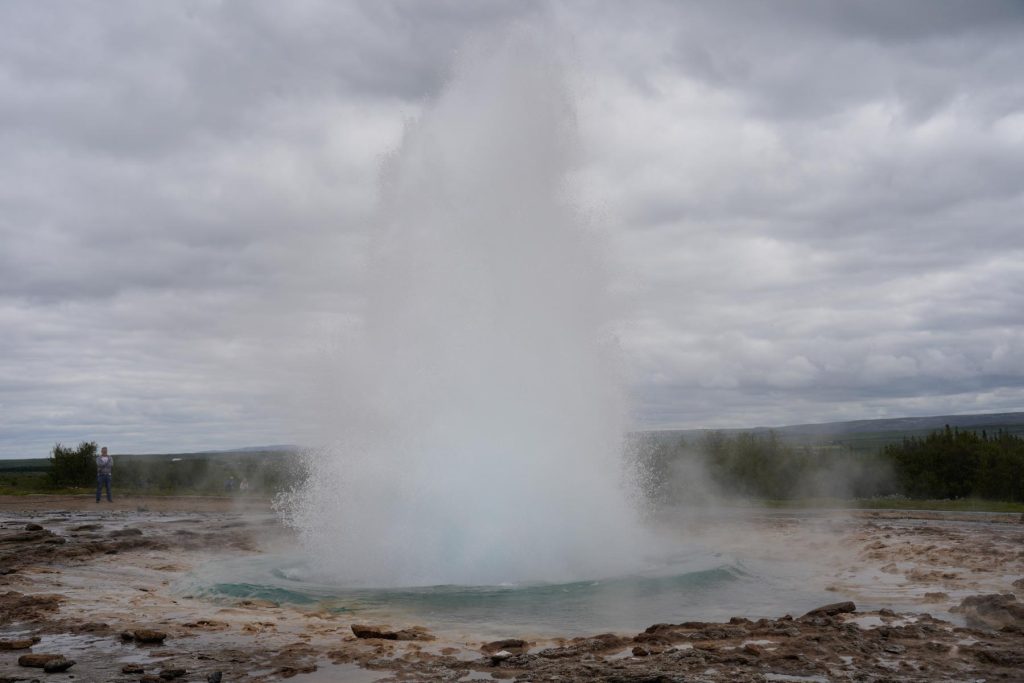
column 477, row 434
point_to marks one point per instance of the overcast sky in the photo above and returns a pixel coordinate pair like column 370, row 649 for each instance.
column 810, row 211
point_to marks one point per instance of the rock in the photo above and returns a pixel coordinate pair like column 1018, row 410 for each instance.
column 214, row 677
column 365, row 631
column 33, row 527
column 99, row 627
column 500, row 656
column 38, row 661
column 146, row 635
column 1007, row 658
column 381, row 633
column 640, row 651
column 832, row 609
column 1019, row 583
column 753, row 649
column 130, row 531
column 56, row 666
column 133, row 669
column 992, row 611
column 171, row 674
column 414, row 633
column 514, row 646
column 18, row 643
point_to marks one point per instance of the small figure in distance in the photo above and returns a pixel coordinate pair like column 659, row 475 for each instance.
column 104, row 470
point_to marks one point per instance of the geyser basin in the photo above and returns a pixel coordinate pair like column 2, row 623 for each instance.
column 696, row 583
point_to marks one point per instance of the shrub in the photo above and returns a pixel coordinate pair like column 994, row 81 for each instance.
column 73, row 467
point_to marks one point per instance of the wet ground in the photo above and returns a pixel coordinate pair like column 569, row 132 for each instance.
column 102, row 585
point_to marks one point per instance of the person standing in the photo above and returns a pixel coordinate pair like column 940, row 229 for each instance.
column 104, row 470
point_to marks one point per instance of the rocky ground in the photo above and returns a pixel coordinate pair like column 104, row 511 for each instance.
column 92, row 593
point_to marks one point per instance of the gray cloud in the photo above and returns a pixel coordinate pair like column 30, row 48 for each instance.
column 811, row 210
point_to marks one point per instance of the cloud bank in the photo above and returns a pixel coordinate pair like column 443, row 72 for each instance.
column 809, row 211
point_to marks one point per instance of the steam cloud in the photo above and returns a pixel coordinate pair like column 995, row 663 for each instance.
column 476, row 424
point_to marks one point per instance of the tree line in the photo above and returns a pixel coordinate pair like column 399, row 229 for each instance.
column 947, row 464
column 960, row 464
column 262, row 473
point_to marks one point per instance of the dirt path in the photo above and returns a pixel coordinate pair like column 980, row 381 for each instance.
column 87, row 503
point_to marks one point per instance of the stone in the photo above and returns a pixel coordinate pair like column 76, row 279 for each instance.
column 513, row 646
column 130, row 531
column 832, row 609
column 171, row 674
column 214, row 677
column 18, row 643
column 146, row 635
column 366, row 631
column 992, row 611
column 33, row 527
column 414, row 633
column 38, row 660
column 133, row 669
column 56, row 666
column 382, row 633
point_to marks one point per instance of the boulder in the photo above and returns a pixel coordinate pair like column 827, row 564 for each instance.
column 38, row 660
column 514, row 646
column 33, row 527
column 133, row 669
column 832, row 609
column 382, row 633
column 18, row 643
column 379, row 632
column 171, row 674
column 146, row 636
column 992, row 611
column 56, row 666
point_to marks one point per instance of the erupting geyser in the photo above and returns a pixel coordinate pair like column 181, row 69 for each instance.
column 479, row 436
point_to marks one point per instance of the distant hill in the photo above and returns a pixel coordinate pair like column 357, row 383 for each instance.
column 863, row 435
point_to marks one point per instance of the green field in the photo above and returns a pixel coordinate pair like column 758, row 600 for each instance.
column 758, row 465
column 264, row 472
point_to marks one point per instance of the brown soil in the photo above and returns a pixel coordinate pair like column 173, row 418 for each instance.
column 87, row 503
column 95, row 584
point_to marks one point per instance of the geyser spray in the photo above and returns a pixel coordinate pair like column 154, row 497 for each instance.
column 477, row 438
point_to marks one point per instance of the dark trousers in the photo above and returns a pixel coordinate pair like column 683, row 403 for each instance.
column 101, row 481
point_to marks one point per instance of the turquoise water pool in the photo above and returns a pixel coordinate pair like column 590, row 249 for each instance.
column 695, row 585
